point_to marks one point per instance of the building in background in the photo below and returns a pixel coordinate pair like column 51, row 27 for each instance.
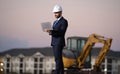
column 31, row 61
column 1, row 65
column 41, row 60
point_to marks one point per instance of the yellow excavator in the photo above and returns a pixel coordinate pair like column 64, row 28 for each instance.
column 78, row 53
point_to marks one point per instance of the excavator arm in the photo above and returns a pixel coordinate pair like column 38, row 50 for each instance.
column 102, row 54
column 88, row 47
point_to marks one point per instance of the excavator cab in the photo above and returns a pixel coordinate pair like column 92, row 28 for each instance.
column 74, row 48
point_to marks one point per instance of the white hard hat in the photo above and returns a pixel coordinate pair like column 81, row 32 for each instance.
column 57, row 8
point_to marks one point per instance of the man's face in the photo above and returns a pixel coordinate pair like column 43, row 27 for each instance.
column 57, row 14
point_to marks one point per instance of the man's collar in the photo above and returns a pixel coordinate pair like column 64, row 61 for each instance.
column 59, row 18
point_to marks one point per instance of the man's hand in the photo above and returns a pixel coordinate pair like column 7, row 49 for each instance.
column 49, row 31
column 46, row 30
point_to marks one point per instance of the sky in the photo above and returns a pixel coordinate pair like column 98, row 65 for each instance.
column 20, row 21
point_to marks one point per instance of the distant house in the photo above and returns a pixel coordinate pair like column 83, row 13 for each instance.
column 41, row 60
column 31, row 60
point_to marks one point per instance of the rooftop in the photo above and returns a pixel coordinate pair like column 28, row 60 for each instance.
column 47, row 51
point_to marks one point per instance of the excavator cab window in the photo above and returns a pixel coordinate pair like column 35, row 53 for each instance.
column 72, row 44
column 76, row 43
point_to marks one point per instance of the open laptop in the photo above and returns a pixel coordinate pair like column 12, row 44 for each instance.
column 46, row 25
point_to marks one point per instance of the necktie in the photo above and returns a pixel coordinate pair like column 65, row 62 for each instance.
column 55, row 23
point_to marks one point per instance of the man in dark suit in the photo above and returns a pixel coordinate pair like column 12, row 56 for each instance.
column 58, row 40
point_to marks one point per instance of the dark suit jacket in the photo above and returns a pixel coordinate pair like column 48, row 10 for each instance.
column 58, row 32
